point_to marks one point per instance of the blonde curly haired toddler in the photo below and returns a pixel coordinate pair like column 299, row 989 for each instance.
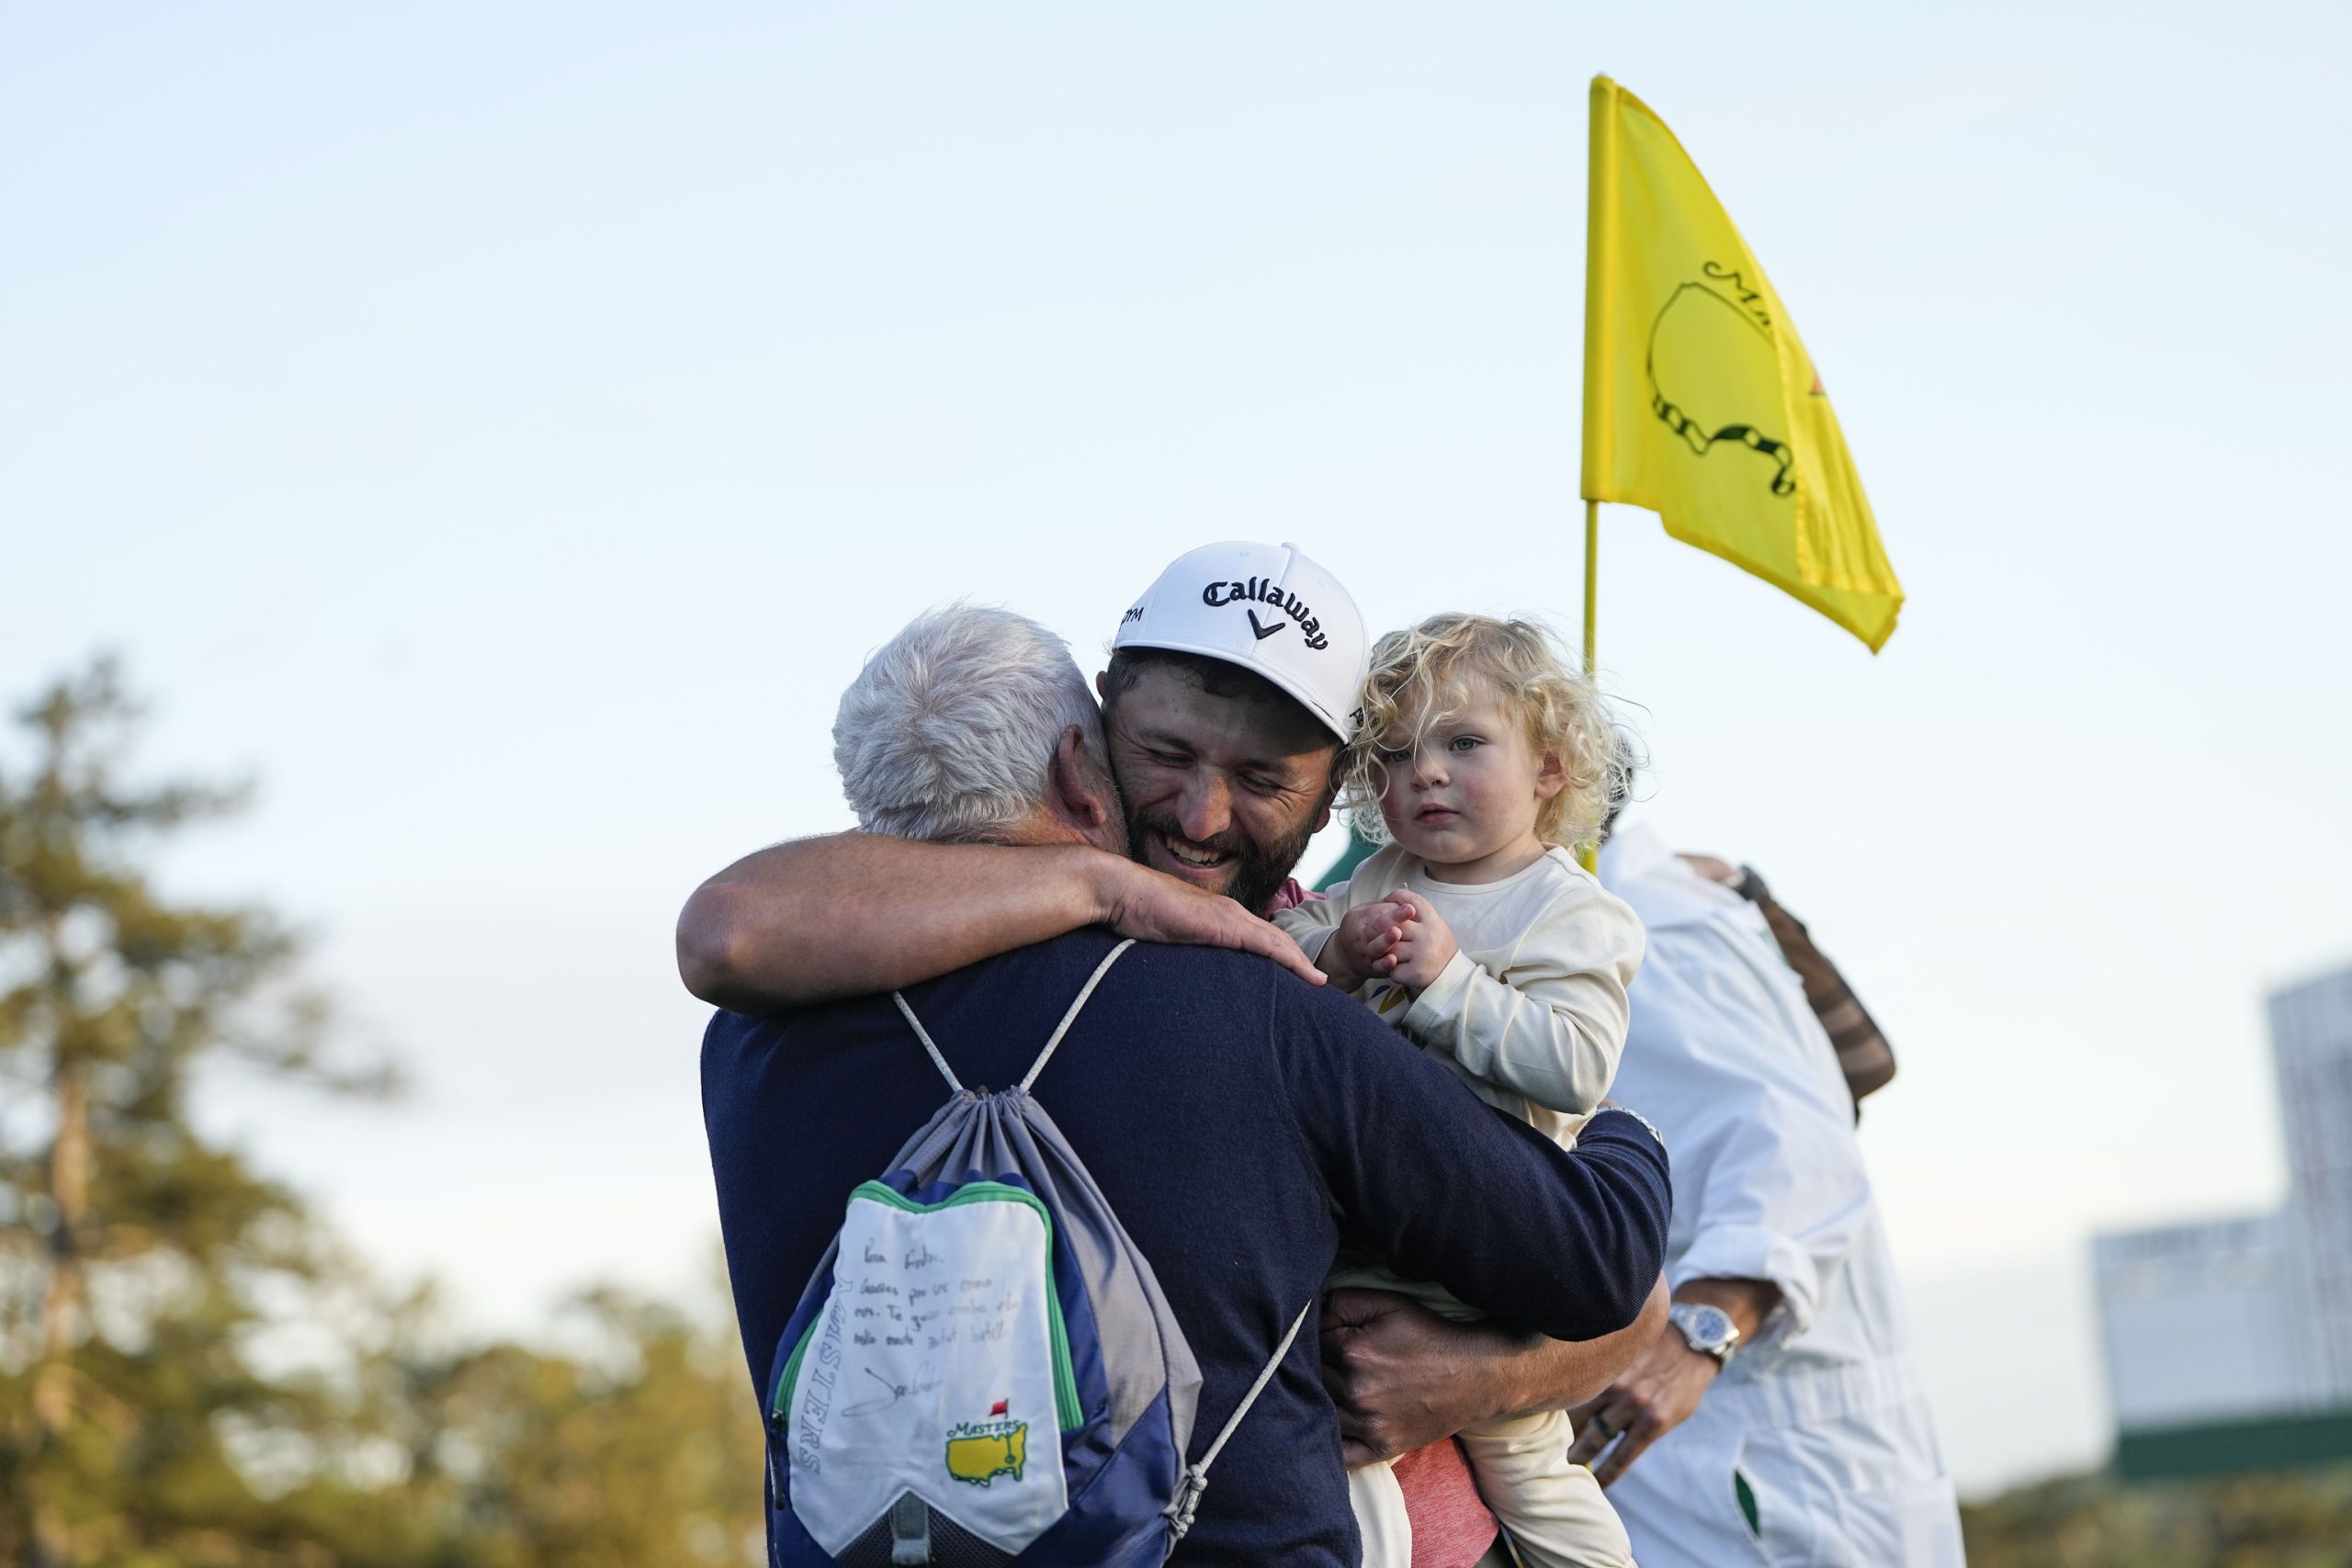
column 1481, row 762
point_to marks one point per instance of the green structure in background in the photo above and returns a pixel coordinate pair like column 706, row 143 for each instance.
column 2225, row 1447
column 2229, row 1338
column 1359, row 846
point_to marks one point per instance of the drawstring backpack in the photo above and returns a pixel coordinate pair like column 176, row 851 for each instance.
column 982, row 1369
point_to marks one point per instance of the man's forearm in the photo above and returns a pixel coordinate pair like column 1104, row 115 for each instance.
column 1552, row 1374
column 857, row 913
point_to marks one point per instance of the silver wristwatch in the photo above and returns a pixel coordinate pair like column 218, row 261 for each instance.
column 1706, row 1329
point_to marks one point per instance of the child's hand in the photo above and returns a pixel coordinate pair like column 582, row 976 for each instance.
column 1424, row 943
column 1358, row 949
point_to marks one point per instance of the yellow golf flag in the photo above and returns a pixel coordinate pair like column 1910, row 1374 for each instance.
column 1699, row 401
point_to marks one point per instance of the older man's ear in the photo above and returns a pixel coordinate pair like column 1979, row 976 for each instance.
column 1080, row 792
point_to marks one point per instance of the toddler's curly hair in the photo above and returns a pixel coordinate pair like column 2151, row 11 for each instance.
column 1423, row 675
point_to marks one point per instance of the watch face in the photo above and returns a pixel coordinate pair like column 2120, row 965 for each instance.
column 1707, row 1328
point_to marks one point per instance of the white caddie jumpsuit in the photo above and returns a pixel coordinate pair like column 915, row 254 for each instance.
column 1818, row 1431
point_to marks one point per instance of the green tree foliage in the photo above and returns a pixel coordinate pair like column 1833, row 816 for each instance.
column 641, row 1446
column 2295, row 1519
column 135, row 1252
column 191, row 1371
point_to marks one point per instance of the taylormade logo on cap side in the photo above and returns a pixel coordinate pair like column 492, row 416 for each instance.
column 1266, row 608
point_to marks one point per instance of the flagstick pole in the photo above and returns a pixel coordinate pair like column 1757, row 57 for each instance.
column 1599, row 202
column 1590, row 857
column 1591, row 582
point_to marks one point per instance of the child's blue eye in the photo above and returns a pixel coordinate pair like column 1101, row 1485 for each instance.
column 1395, row 756
column 1464, row 744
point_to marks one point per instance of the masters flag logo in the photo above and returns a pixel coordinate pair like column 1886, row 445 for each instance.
column 1699, row 401
column 1702, row 326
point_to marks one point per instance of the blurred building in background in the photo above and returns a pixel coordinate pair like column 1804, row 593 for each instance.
column 2229, row 1342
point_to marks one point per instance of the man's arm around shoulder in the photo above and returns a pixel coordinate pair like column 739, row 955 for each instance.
column 855, row 914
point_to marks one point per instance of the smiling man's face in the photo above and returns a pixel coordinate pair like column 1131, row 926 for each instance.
column 1224, row 782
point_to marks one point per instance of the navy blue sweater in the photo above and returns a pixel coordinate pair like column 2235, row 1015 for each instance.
column 1240, row 1121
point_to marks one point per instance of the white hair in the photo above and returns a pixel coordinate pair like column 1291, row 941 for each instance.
column 950, row 728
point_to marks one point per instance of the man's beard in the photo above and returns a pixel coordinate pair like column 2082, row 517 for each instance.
column 1258, row 872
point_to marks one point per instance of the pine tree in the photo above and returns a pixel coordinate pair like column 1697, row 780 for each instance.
column 134, row 1254
column 139, row 1264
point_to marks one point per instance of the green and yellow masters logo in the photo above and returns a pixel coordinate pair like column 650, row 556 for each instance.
column 979, row 1451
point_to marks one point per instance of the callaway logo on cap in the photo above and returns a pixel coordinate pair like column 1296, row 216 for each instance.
column 1266, row 608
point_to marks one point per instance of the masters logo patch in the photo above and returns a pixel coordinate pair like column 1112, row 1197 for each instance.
column 979, row 1451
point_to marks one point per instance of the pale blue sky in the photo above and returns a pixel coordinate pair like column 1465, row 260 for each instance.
column 504, row 436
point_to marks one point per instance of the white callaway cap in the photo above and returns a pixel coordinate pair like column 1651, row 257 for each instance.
column 1268, row 609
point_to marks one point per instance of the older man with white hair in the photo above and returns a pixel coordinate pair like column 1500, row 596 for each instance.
column 939, row 738
column 1229, row 1112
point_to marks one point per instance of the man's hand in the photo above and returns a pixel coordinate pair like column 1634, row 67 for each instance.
column 1425, row 944
column 1403, row 1378
column 1644, row 1406
column 1667, row 1384
column 1358, row 948
column 1151, row 906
